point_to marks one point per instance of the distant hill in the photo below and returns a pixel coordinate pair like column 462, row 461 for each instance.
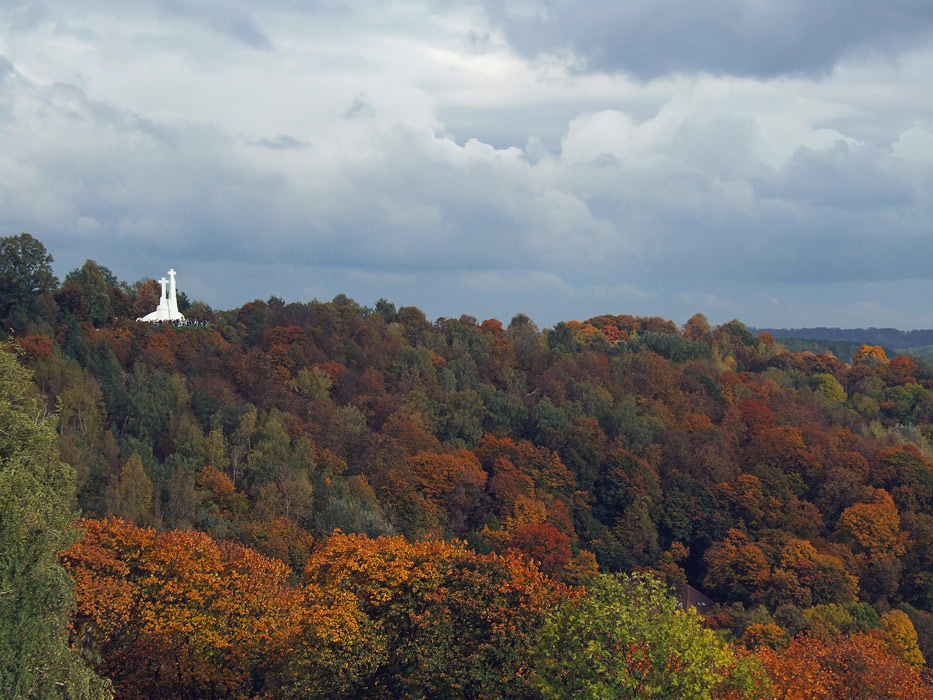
column 843, row 342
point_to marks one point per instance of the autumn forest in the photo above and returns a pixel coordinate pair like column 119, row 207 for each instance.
column 328, row 500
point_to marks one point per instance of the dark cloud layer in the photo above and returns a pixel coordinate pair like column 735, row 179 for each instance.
column 648, row 39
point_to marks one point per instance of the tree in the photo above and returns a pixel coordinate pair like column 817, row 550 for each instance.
column 902, row 637
column 337, row 650
column 848, row 668
column 822, row 576
column 452, row 482
column 544, row 544
column 628, row 638
column 872, row 530
column 36, row 488
column 697, row 328
column 737, row 568
column 130, row 493
column 147, row 293
column 93, row 284
column 827, row 385
column 178, row 615
column 25, row 275
column 452, row 623
column 871, row 355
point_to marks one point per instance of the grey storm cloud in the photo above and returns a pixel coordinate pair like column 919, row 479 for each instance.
column 846, row 177
column 735, row 37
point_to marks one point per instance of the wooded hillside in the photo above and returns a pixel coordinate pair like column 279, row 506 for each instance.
column 481, row 474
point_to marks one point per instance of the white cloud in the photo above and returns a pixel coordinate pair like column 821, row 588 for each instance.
column 915, row 145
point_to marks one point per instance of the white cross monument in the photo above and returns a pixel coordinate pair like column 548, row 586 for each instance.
column 168, row 303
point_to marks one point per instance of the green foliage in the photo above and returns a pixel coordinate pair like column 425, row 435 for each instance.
column 153, row 397
column 843, row 349
column 93, row 284
column 902, row 637
column 923, row 624
column 36, row 659
column 130, row 494
column 628, row 638
column 671, row 346
column 737, row 329
column 25, row 276
column 827, row 385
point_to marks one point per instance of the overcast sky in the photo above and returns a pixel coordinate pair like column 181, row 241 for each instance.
column 770, row 160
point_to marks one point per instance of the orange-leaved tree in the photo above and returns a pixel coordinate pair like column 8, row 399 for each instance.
column 870, row 355
column 177, row 614
column 451, row 623
column 846, row 668
column 872, row 530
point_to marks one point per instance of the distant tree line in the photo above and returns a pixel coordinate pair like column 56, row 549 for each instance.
column 889, row 338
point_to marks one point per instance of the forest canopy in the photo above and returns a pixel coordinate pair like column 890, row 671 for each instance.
column 323, row 499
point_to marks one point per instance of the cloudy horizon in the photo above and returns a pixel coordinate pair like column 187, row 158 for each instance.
column 761, row 160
